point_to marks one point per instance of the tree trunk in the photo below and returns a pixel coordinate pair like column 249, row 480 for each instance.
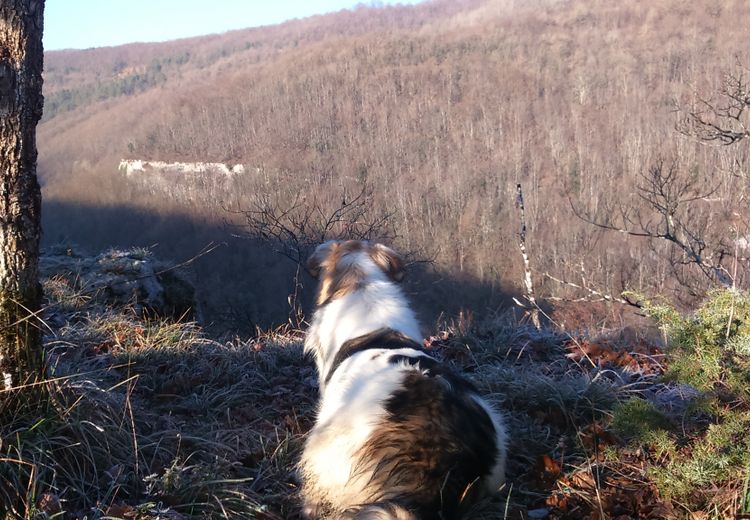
column 21, row 57
column 528, row 284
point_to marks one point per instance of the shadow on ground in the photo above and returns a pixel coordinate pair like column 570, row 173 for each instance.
column 242, row 284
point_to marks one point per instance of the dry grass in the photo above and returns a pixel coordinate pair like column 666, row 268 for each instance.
column 153, row 419
column 153, row 416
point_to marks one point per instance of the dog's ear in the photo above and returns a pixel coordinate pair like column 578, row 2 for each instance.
column 318, row 257
column 388, row 260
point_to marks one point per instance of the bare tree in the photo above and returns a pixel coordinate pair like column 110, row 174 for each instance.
column 528, row 284
column 671, row 212
column 707, row 226
column 21, row 58
column 722, row 120
column 295, row 229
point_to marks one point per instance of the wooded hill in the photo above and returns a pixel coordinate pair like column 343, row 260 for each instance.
column 440, row 108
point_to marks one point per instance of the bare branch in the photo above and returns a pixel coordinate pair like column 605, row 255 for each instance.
column 295, row 229
column 591, row 292
column 668, row 197
column 724, row 121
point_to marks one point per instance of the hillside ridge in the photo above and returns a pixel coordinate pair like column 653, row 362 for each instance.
column 439, row 110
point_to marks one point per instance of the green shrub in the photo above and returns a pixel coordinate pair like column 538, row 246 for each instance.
column 719, row 458
column 709, row 350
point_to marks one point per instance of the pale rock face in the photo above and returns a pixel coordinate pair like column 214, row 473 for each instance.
column 131, row 166
column 138, row 166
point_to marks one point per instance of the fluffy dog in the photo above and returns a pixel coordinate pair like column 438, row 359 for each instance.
column 398, row 435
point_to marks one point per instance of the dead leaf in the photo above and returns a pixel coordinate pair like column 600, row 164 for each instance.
column 123, row 511
column 49, row 503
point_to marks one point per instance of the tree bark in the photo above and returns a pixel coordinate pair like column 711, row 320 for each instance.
column 528, row 284
column 21, row 59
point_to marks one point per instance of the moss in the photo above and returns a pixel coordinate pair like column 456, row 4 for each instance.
column 639, row 420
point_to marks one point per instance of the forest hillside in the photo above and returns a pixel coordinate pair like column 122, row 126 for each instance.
column 439, row 109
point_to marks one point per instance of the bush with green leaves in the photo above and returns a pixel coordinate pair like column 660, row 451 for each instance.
column 708, row 455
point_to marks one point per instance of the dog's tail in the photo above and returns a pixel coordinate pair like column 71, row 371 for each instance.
column 379, row 511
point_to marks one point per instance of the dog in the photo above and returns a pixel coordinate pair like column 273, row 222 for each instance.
column 397, row 434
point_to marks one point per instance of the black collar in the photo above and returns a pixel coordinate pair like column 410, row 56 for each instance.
column 382, row 338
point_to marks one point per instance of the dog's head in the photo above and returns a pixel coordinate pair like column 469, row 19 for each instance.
column 345, row 266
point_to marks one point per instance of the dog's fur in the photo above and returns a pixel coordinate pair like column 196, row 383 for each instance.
column 398, row 436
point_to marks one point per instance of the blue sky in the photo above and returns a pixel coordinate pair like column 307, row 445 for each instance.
column 80, row 24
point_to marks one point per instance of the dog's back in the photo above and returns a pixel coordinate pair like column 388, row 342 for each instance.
column 436, row 447
column 397, row 435
column 384, row 511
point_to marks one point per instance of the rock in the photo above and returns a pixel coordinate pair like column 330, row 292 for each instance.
column 673, row 399
column 131, row 278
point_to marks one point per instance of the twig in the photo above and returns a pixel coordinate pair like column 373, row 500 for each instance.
column 603, row 296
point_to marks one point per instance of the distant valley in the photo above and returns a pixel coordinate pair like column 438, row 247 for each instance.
column 439, row 109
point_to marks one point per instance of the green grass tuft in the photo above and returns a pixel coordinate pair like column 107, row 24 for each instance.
column 639, row 420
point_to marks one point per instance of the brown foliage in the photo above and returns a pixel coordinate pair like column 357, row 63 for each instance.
column 441, row 108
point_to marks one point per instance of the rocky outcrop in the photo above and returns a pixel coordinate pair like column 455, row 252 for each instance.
column 138, row 166
column 131, row 278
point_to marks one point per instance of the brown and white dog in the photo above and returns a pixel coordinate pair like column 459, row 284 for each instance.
column 398, row 435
